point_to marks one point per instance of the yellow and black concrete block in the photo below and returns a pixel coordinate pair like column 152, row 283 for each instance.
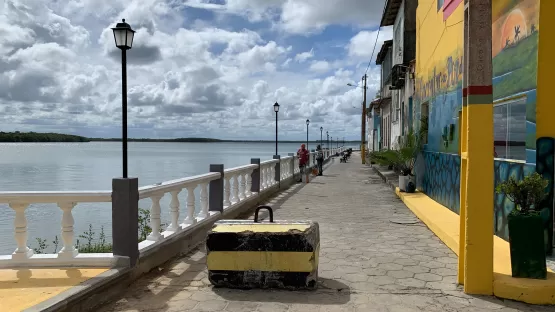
column 275, row 254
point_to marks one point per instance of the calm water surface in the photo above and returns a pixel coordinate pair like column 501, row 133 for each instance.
column 91, row 166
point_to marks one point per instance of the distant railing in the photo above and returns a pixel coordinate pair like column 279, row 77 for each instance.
column 220, row 190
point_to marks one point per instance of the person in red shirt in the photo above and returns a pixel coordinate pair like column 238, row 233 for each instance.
column 303, row 155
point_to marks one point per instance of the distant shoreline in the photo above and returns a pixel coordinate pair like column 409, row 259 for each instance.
column 36, row 137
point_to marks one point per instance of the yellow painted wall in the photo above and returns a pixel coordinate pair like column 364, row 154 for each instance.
column 436, row 39
column 545, row 106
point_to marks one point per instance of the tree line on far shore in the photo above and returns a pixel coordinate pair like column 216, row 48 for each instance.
column 40, row 137
column 18, row 136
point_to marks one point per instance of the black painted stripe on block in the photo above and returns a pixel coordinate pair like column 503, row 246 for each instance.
column 248, row 241
column 259, row 279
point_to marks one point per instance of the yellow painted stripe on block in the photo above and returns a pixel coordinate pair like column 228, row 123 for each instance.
column 267, row 261
column 259, row 227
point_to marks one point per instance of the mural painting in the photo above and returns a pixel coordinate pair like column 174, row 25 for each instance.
column 515, row 31
column 502, row 205
column 442, row 179
column 442, row 89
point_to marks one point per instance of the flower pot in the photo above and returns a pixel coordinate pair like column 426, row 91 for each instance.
column 411, row 184
column 526, row 241
column 403, row 181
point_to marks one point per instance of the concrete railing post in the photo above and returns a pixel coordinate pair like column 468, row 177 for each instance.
column 277, row 173
column 292, row 165
column 125, row 219
column 313, row 158
column 255, row 176
column 216, row 190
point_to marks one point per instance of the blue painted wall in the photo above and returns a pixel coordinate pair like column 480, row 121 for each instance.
column 442, row 179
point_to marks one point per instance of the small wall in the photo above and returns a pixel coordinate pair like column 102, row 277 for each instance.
column 442, row 178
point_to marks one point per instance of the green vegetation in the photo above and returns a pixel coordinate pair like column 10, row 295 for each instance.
column 40, row 137
column 527, row 193
column 94, row 243
column 521, row 60
column 59, row 137
column 403, row 157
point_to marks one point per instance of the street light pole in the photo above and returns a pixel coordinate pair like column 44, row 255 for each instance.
column 328, row 140
column 276, row 110
column 363, row 125
column 321, row 143
column 123, row 37
column 307, row 123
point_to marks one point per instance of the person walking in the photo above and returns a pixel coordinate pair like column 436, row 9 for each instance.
column 320, row 159
column 303, row 155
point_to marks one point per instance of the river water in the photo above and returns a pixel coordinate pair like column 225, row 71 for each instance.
column 91, row 166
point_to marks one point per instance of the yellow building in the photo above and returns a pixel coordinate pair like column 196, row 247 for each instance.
column 521, row 106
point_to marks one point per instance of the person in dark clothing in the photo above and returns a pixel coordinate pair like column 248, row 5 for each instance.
column 320, row 160
column 303, row 155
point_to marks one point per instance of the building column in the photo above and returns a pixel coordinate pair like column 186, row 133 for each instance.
column 477, row 205
column 545, row 110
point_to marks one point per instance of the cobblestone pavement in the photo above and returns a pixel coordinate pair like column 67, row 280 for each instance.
column 375, row 256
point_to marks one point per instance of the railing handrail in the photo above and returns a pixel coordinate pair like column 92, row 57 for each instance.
column 165, row 187
column 269, row 162
column 52, row 197
column 240, row 168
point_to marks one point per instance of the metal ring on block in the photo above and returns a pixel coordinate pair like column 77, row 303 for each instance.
column 270, row 212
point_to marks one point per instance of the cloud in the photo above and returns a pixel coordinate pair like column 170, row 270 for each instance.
column 302, row 57
column 320, row 66
column 187, row 75
column 362, row 44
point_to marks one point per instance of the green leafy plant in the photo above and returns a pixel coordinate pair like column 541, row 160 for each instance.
column 526, row 193
column 97, row 243
column 403, row 157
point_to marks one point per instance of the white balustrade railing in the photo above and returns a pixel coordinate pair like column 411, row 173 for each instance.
column 238, row 184
column 182, row 193
column 174, row 188
column 66, row 202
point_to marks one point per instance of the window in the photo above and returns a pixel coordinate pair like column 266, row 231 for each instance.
column 509, row 129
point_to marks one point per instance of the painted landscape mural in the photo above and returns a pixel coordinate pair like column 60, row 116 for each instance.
column 515, row 31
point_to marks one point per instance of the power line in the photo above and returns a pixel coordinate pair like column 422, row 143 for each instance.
column 376, row 42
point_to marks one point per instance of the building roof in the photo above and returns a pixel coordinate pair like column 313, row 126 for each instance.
column 383, row 51
column 390, row 12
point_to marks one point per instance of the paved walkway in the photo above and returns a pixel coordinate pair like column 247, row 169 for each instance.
column 375, row 256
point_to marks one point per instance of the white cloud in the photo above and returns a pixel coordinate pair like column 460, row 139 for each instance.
column 60, row 71
column 320, row 66
column 362, row 44
column 302, row 57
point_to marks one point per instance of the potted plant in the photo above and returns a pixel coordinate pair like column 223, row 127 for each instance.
column 526, row 237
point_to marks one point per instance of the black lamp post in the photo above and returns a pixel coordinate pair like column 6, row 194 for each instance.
column 328, row 139
column 123, row 36
column 321, row 143
column 276, row 109
column 307, row 123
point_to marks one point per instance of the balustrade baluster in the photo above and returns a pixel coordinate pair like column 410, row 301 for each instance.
column 235, row 189
column 22, row 252
column 248, row 192
column 227, row 188
column 242, row 187
column 155, row 221
column 190, row 205
column 68, row 234
column 272, row 178
column 174, row 211
column 203, row 201
column 265, row 176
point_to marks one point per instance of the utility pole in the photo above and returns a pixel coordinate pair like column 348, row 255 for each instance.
column 363, row 126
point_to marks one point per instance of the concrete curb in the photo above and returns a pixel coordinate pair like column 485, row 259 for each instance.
column 389, row 177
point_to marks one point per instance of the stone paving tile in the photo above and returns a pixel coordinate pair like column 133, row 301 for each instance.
column 367, row 261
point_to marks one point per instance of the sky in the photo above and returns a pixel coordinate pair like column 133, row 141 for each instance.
column 197, row 68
